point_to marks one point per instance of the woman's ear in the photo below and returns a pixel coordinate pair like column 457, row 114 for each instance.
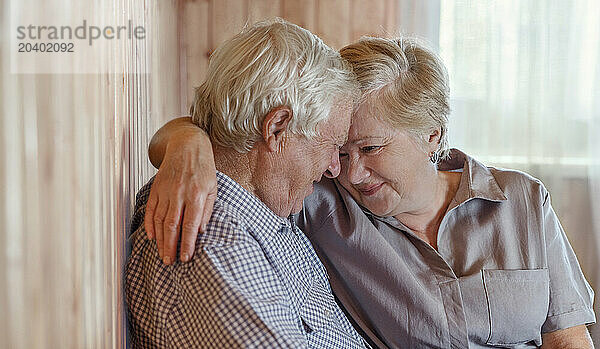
column 274, row 127
column 433, row 140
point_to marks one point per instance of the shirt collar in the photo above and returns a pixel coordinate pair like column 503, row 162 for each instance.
column 477, row 181
column 254, row 212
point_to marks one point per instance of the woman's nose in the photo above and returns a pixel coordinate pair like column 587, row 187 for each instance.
column 357, row 172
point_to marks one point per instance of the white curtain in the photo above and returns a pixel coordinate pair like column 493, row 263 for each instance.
column 525, row 87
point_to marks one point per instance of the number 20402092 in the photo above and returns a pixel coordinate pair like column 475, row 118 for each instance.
column 46, row 47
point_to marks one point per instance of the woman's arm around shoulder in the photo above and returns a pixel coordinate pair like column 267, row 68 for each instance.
column 184, row 189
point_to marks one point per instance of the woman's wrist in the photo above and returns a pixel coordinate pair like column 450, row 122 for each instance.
column 190, row 139
column 176, row 136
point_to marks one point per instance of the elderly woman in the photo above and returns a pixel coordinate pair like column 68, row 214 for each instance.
column 424, row 245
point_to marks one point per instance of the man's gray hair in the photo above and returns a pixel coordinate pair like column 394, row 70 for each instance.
column 270, row 64
column 408, row 83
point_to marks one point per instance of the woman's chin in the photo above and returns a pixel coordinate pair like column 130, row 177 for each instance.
column 379, row 211
column 373, row 203
column 375, row 206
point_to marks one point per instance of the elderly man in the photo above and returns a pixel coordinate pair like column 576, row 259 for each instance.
column 275, row 107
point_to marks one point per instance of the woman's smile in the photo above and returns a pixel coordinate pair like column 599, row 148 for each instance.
column 369, row 190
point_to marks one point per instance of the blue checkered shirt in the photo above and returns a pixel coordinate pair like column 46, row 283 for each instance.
column 253, row 282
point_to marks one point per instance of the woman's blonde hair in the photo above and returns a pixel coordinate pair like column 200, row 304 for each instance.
column 270, row 64
column 406, row 82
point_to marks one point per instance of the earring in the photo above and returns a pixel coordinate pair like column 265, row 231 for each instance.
column 434, row 157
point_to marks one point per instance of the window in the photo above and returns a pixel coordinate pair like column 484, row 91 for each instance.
column 523, row 76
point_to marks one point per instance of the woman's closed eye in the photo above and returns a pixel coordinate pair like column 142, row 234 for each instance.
column 370, row 149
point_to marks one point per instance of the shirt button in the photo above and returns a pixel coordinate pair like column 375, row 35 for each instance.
column 327, row 313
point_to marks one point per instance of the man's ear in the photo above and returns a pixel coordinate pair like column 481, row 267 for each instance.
column 274, row 127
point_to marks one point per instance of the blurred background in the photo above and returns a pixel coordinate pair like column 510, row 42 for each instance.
column 525, row 93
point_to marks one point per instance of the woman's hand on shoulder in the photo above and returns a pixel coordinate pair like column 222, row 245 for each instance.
column 184, row 189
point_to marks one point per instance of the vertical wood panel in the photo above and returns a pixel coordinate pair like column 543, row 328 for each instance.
column 55, row 189
column 302, row 13
column 196, row 45
column 76, row 155
column 391, row 23
column 333, row 22
column 337, row 22
column 263, row 9
column 228, row 18
column 4, row 157
column 368, row 18
column 13, row 169
column 163, row 52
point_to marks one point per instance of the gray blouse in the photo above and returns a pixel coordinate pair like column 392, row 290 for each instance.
column 503, row 274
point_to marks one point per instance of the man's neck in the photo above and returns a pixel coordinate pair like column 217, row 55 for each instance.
column 237, row 166
column 256, row 171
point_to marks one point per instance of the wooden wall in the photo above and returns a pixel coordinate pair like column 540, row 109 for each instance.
column 206, row 23
column 73, row 155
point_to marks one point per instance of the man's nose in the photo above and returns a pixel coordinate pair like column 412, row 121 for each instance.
column 334, row 166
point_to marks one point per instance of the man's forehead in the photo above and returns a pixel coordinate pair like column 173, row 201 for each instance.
column 341, row 111
column 344, row 104
column 337, row 130
column 340, row 122
column 342, row 138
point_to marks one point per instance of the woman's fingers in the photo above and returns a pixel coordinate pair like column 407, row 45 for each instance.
column 192, row 219
column 208, row 207
column 181, row 201
column 197, row 213
column 171, row 230
column 177, row 211
column 158, row 219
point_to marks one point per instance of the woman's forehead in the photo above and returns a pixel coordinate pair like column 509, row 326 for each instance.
column 366, row 126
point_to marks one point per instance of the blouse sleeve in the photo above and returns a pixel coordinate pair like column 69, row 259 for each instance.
column 571, row 297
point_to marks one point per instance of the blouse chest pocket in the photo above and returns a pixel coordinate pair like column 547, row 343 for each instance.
column 517, row 304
